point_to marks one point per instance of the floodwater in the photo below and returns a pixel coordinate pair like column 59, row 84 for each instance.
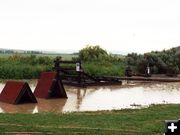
column 129, row 95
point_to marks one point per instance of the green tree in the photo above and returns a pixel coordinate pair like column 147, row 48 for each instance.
column 92, row 53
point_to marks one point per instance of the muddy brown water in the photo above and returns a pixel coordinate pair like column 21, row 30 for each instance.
column 129, row 95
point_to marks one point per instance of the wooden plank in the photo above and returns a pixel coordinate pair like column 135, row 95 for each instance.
column 69, row 62
column 151, row 79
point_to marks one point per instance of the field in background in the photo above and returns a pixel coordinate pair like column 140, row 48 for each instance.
column 64, row 56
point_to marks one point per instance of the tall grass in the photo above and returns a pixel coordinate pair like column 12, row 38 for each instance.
column 20, row 67
column 102, row 69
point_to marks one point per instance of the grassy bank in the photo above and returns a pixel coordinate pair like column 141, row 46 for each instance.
column 23, row 67
column 148, row 121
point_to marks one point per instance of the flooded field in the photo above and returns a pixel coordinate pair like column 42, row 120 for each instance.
column 129, row 95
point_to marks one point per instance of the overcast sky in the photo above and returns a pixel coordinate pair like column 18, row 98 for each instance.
column 115, row 25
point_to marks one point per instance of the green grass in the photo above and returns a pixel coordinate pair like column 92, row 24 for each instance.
column 104, row 69
column 147, row 121
column 27, row 66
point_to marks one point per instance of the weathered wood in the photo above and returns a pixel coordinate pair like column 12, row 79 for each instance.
column 158, row 79
column 77, row 77
column 69, row 62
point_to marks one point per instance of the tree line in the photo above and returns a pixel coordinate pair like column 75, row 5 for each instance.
column 161, row 62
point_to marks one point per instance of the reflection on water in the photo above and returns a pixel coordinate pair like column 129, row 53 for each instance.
column 129, row 95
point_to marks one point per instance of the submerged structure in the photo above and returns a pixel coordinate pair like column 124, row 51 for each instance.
column 72, row 73
column 50, row 86
column 16, row 92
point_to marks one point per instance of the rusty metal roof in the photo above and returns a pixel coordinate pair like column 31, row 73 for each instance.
column 49, row 86
column 16, row 92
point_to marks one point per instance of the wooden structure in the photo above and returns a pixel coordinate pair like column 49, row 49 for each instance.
column 16, row 93
column 72, row 73
column 155, row 79
column 50, row 86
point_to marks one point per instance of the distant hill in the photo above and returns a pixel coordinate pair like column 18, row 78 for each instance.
column 2, row 50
